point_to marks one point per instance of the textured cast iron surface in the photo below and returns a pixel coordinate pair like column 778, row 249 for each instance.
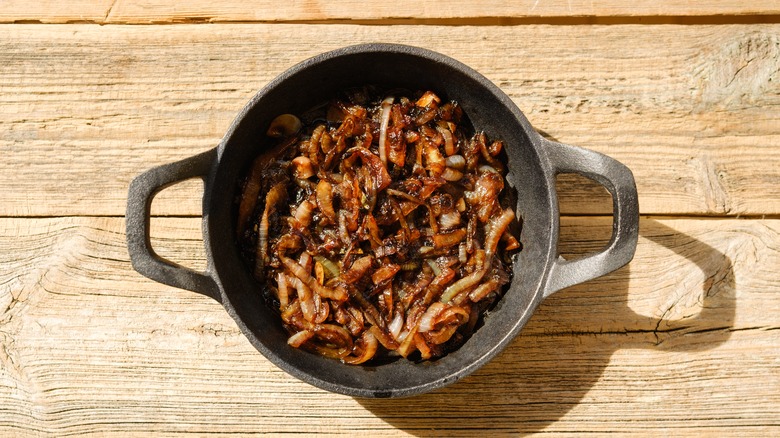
column 532, row 162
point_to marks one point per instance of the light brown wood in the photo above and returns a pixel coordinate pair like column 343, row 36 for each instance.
column 692, row 110
column 156, row 11
column 681, row 342
column 684, row 341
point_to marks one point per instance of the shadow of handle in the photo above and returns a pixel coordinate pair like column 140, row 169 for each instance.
column 711, row 325
column 619, row 181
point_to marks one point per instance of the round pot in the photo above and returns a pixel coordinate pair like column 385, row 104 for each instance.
column 533, row 163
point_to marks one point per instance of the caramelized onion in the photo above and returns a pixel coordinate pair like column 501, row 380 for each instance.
column 467, row 281
column 381, row 226
column 368, row 345
column 282, row 291
column 303, row 213
column 325, row 199
column 385, row 120
column 381, row 178
column 483, row 290
column 456, row 162
column 306, row 298
column 330, row 267
column 308, row 280
column 434, row 161
column 449, row 144
column 300, row 338
column 445, row 240
column 358, row 269
column 497, row 227
column 276, row 195
column 427, row 320
column 449, row 220
column 396, row 325
column 451, row 174
column 302, row 167
column 284, row 125
column 385, row 273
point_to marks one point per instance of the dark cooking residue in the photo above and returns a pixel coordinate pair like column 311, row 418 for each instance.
column 377, row 226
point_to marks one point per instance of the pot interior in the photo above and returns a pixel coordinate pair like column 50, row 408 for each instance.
column 385, row 66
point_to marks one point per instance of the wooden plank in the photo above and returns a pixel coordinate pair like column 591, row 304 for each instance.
column 682, row 341
column 156, row 11
column 692, row 110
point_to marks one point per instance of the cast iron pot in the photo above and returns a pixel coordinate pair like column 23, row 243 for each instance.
column 533, row 163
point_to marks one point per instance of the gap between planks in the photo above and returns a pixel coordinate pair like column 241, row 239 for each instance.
column 588, row 20
column 455, row 12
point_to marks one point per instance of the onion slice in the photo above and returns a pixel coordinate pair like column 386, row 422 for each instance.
column 277, row 194
column 368, row 345
column 300, row 338
column 497, row 227
column 468, row 281
column 385, row 121
column 324, row 198
column 483, row 290
column 305, row 277
column 426, row 321
column 396, row 325
column 449, row 146
column 282, row 291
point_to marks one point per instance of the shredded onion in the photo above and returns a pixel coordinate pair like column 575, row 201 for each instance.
column 462, row 254
column 449, row 239
column 483, row 290
column 368, row 344
column 282, row 292
column 434, row 267
column 396, row 325
column 449, row 220
column 381, row 227
column 385, row 121
column 456, row 162
column 497, row 228
column 426, row 322
column 330, row 267
column 300, row 338
column 308, row 280
column 449, row 146
column 274, row 196
column 451, row 174
column 325, row 199
column 467, row 281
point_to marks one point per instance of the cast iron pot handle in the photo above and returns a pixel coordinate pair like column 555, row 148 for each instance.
column 619, row 181
column 139, row 201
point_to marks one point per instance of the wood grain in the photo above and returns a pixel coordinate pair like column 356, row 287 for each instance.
column 156, row 11
column 692, row 110
column 681, row 342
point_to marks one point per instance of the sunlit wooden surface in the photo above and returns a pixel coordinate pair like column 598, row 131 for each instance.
column 685, row 340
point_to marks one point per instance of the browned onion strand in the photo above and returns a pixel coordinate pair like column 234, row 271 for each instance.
column 378, row 227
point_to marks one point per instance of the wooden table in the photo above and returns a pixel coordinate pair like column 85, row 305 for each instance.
column 683, row 341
